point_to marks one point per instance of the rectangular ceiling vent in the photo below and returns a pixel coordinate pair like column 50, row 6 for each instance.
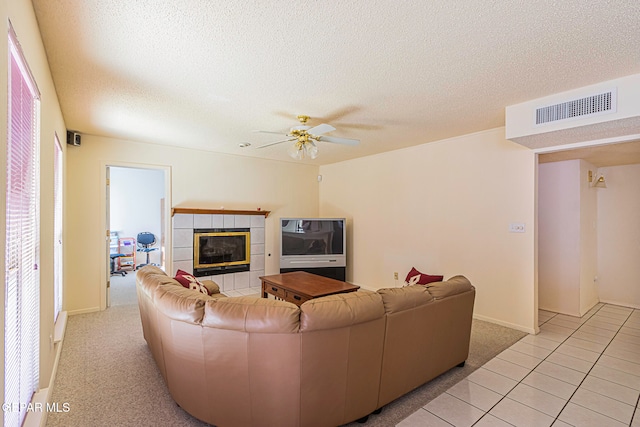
column 601, row 103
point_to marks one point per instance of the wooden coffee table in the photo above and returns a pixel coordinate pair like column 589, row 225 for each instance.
column 299, row 286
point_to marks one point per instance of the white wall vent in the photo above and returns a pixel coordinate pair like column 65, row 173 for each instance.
column 600, row 103
column 600, row 111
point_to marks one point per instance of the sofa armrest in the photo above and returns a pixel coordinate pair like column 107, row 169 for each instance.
column 211, row 286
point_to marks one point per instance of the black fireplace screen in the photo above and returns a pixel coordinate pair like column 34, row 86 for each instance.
column 221, row 248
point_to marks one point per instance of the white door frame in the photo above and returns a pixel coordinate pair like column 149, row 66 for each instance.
column 551, row 149
column 105, row 226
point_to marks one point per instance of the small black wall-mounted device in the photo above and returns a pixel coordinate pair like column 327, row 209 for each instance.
column 73, row 138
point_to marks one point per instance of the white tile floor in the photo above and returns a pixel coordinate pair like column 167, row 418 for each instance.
column 575, row 372
column 246, row 292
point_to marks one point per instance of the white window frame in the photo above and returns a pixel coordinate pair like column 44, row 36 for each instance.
column 58, row 257
column 22, row 281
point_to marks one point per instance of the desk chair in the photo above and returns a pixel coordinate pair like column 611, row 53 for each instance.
column 113, row 265
column 145, row 241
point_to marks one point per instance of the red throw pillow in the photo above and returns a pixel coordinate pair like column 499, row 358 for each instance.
column 190, row 282
column 417, row 278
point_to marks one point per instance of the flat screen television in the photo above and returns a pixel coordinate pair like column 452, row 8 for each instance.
column 313, row 242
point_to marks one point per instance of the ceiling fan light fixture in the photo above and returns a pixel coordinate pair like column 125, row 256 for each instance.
column 311, row 149
column 299, row 150
column 296, row 151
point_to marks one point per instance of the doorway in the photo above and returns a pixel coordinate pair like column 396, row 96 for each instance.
column 137, row 200
column 599, row 222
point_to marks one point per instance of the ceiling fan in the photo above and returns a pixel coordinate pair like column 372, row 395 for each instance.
column 304, row 138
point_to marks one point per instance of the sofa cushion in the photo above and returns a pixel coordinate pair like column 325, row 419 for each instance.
column 149, row 270
column 250, row 314
column 190, row 282
column 453, row 286
column 211, row 286
column 180, row 303
column 400, row 299
column 340, row 310
column 417, row 278
column 150, row 277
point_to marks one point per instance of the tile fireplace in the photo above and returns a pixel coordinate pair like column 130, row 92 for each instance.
column 184, row 227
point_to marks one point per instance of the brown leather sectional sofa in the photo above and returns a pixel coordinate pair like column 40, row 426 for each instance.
column 246, row 361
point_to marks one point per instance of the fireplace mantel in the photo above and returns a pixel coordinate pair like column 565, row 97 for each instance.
column 217, row 212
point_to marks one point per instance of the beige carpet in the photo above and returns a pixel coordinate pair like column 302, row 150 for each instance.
column 108, row 377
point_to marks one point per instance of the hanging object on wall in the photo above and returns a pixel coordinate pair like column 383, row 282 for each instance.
column 73, row 138
column 600, row 182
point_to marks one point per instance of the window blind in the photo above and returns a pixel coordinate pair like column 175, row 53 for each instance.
column 22, row 310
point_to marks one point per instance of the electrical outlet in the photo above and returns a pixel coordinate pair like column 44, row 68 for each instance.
column 395, row 275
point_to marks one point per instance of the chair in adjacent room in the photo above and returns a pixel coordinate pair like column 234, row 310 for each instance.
column 114, row 254
column 145, row 242
column 114, row 270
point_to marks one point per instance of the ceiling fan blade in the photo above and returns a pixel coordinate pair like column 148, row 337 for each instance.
column 268, row 131
column 277, row 142
column 336, row 140
column 320, row 129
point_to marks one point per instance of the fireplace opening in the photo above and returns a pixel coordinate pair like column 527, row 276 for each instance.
column 221, row 251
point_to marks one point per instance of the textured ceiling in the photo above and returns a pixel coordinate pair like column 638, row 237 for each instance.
column 626, row 153
column 205, row 74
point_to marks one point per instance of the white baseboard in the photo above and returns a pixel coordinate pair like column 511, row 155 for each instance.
column 84, row 311
column 367, row 288
column 60, row 327
column 37, row 417
column 621, row 304
column 507, row 324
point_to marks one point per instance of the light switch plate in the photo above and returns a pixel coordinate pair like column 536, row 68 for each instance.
column 517, row 227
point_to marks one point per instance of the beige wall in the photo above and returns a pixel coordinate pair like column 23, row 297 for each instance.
column 619, row 236
column 445, row 208
column 199, row 179
column 567, row 237
column 20, row 13
column 588, row 238
column 559, row 237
